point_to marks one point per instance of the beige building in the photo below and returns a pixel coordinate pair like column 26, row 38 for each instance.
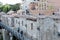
column 41, row 7
column 44, row 7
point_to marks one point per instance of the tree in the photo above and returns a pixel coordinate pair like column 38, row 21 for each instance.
column 1, row 6
column 15, row 7
column 6, row 8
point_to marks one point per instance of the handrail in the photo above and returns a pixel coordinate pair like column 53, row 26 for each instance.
column 9, row 29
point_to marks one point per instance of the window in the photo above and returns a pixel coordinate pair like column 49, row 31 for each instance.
column 39, row 13
column 43, row 0
column 27, row 11
column 34, row 0
column 22, row 0
column 53, row 13
column 18, row 29
column 33, row 8
column 58, row 34
column 31, row 37
column 44, row 4
column 19, row 23
column 22, row 23
column 12, row 22
column 31, row 19
column 31, row 26
column 26, row 25
column 0, row 27
column 38, row 28
column 16, row 21
column 38, row 0
column 23, row 13
column 21, row 33
column 25, row 6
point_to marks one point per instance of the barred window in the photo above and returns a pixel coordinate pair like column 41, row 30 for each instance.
column 31, row 26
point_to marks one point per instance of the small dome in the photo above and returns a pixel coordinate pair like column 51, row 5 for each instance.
column 10, row 12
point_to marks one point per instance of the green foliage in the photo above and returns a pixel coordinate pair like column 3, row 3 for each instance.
column 15, row 7
column 8, row 7
column 1, row 6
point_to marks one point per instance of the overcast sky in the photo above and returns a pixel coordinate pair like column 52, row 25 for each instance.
column 10, row 1
column 55, row 2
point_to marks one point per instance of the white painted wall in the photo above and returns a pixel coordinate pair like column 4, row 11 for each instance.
column 26, row 4
column 28, row 29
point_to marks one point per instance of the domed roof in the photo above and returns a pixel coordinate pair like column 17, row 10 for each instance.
column 10, row 12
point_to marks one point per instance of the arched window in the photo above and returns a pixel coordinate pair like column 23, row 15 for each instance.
column 21, row 33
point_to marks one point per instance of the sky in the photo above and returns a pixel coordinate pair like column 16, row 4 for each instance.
column 10, row 1
column 55, row 2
